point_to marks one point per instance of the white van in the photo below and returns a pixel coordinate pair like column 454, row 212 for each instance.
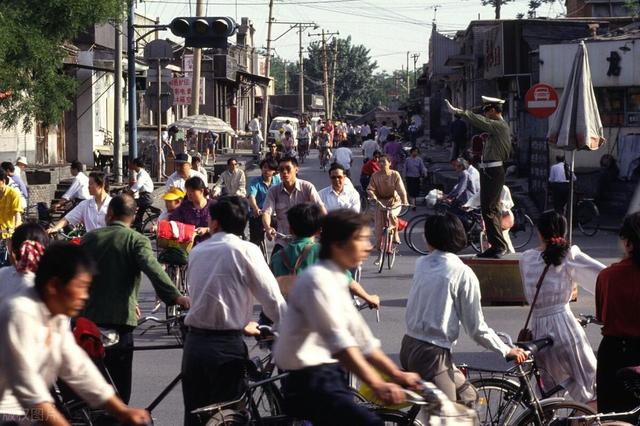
column 277, row 124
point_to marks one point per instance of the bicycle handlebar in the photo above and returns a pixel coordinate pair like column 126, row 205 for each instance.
column 156, row 320
column 585, row 320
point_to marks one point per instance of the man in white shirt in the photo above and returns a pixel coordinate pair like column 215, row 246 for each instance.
column 339, row 195
column 232, row 181
column 365, row 131
column 224, row 275
column 256, row 131
column 38, row 345
column 322, row 334
column 344, row 157
column 559, row 184
column 79, row 189
column 182, row 173
column 368, row 148
column 383, row 133
column 91, row 213
column 142, row 187
column 288, row 127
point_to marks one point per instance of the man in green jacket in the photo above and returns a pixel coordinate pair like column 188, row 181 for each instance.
column 121, row 254
column 495, row 153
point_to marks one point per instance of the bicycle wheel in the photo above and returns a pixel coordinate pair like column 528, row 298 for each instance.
column 229, row 418
column 498, row 400
column 414, row 234
column 147, row 228
column 383, row 249
column 171, row 311
column 267, row 399
column 263, row 249
column 403, row 211
column 522, row 232
column 391, row 250
column 588, row 217
column 554, row 409
column 474, row 236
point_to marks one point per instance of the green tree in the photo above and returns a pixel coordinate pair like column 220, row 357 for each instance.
column 496, row 4
column 32, row 38
column 354, row 74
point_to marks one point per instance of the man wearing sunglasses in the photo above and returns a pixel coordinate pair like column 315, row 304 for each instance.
column 495, row 153
column 290, row 192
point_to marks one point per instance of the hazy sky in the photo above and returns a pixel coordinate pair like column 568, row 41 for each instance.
column 389, row 28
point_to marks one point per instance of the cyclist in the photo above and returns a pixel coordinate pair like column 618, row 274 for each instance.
column 324, row 145
column 182, row 173
column 445, row 294
column 369, row 168
column 121, row 255
column 25, row 248
column 232, row 181
column 322, row 333
column 172, row 199
column 338, row 195
column 273, row 153
column 79, row 189
column 570, row 361
column 303, row 139
column 465, row 187
column 393, row 149
column 288, row 144
column 10, row 207
column 195, row 209
column 38, row 345
column 196, row 164
column 225, row 274
column 369, row 147
column 386, row 187
column 282, row 197
column 16, row 182
column 257, row 195
column 304, row 224
column 142, row 185
column 91, row 213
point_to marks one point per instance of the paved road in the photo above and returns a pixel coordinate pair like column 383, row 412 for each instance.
column 153, row 370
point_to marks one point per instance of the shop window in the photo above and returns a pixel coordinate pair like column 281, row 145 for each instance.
column 611, row 106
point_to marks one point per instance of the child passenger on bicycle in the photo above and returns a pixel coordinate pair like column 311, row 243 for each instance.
column 445, row 294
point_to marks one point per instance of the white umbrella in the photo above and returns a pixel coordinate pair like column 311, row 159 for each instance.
column 204, row 123
column 576, row 123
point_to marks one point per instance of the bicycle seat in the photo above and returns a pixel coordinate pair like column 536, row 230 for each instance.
column 218, row 406
column 535, row 346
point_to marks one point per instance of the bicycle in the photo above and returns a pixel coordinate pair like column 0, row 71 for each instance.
column 325, row 156
column 388, row 247
column 587, row 216
column 303, row 150
column 509, row 397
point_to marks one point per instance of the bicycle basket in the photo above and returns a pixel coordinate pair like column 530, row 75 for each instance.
column 174, row 256
column 402, row 224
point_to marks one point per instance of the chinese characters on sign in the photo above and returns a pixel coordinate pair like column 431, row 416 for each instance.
column 182, row 90
column 538, row 170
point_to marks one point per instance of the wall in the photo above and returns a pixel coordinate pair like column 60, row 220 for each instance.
column 14, row 143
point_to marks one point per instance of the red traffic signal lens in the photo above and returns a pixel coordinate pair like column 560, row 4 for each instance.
column 180, row 27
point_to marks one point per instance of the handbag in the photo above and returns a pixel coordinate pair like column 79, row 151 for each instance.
column 526, row 334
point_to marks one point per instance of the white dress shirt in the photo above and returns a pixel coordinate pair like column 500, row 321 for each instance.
column 369, row 147
column 177, row 181
column 234, row 183
column 143, row 183
column 320, row 320
column 365, row 131
column 557, row 174
column 37, row 348
column 88, row 214
column 347, row 199
column 13, row 282
column 446, row 293
column 343, row 156
column 224, row 275
column 79, row 188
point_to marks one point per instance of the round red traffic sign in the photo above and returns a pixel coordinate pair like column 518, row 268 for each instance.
column 541, row 100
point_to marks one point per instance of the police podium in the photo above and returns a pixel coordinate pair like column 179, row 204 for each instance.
column 500, row 280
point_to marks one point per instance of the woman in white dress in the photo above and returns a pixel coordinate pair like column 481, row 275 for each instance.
column 570, row 362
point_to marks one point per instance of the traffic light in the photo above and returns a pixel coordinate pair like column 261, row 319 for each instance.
column 204, row 31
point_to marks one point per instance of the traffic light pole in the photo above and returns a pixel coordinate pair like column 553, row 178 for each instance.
column 159, row 114
column 197, row 60
column 131, row 82
column 301, row 76
column 117, row 113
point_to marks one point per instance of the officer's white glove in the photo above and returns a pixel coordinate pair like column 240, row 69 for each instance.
column 451, row 108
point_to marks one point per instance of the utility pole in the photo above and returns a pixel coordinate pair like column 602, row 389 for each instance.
column 131, row 81
column 325, row 70
column 265, row 112
column 408, row 83
column 334, row 67
column 195, row 77
column 117, row 113
column 301, row 76
column 286, row 78
column 415, row 57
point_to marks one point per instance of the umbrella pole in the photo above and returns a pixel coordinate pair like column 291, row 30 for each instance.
column 571, row 188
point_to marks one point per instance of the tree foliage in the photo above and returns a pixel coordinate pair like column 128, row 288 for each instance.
column 32, row 36
column 497, row 5
column 354, row 74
